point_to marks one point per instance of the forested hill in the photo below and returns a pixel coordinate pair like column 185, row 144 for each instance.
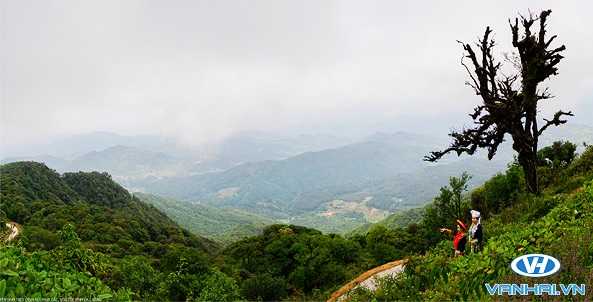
column 105, row 215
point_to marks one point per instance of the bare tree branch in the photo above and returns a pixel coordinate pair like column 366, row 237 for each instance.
column 509, row 102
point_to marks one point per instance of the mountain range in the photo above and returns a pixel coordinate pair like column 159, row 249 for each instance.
column 325, row 181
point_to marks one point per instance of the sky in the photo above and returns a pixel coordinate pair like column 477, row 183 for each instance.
column 202, row 70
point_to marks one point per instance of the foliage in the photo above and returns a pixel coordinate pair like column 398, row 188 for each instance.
column 559, row 153
column 501, row 191
column 448, row 203
column 56, row 274
column 188, row 284
column 73, row 271
column 301, row 258
column 264, row 287
column 139, row 276
column 103, row 213
column 557, row 171
column 446, row 208
column 85, row 236
column 217, row 286
column 72, row 254
column 211, row 222
column 396, row 220
column 97, row 188
column 558, row 225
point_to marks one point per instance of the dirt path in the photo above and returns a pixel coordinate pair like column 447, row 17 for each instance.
column 15, row 231
column 367, row 279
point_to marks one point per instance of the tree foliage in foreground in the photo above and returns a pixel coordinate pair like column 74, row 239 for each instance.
column 68, row 271
column 510, row 102
column 557, row 224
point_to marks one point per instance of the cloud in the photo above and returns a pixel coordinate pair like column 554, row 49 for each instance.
column 200, row 70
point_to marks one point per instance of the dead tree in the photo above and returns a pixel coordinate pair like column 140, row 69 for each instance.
column 509, row 102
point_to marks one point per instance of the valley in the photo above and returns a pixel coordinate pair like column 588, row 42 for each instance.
column 141, row 246
column 324, row 181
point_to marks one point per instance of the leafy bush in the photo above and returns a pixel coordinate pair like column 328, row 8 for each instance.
column 559, row 153
column 304, row 258
column 503, row 190
column 41, row 275
column 264, row 287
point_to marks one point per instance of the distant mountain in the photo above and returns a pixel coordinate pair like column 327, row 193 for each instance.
column 72, row 147
column 575, row 133
column 254, row 146
column 377, row 157
column 127, row 157
column 126, row 162
column 51, row 161
column 387, row 168
column 407, row 190
column 287, row 177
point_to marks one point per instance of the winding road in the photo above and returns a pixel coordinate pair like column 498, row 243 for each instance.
column 367, row 279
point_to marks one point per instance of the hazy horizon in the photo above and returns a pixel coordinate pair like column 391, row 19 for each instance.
column 199, row 71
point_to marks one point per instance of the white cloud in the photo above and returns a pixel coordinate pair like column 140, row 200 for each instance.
column 203, row 69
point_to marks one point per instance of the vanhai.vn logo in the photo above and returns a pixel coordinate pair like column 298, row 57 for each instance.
column 535, row 266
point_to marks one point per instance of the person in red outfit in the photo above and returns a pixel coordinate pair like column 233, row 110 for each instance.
column 459, row 238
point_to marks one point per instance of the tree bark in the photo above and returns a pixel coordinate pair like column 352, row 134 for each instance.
column 528, row 161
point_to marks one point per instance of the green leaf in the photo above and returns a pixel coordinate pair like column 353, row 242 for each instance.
column 10, row 273
column 67, row 283
column 2, row 288
column 104, row 296
column 4, row 262
column 431, row 277
column 20, row 290
column 31, row 274
column 465, row 294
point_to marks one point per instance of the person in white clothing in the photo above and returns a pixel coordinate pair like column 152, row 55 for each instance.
column 475, row 232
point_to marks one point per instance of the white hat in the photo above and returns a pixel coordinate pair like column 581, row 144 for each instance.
column 476, row 214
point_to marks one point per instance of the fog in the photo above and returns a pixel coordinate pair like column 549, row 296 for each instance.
column 199, row 71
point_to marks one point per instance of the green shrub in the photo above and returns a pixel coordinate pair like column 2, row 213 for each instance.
column 264, row 287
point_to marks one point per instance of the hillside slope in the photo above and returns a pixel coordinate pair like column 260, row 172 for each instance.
column 558, row 223
column 104, row 213
column 207, row 221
